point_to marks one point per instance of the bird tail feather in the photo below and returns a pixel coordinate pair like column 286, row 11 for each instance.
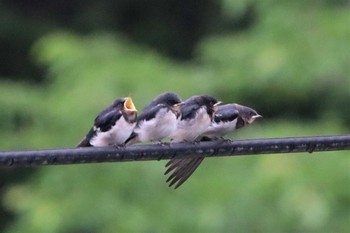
column 84, row 143
column 132, row 139
column 182, row 170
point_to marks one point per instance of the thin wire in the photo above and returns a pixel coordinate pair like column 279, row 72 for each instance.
column 178, row 150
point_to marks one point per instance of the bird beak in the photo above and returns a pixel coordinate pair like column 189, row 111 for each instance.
column 252, row 119
column 177, row 109
column 257, row 116
column 215, row 107
column 129, row 106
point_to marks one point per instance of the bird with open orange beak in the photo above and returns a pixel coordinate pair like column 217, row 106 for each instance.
column 113, row 125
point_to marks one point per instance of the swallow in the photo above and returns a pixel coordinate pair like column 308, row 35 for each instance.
column 158, row 120
column 197, row 113
column 113, row 125
column 196, row 116
column 227, row 118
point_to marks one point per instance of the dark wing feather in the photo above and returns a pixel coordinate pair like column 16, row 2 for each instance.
column 105, row 120
column 189, row 110
column 132, row 139
column 150, row 112
column 182, row 170
column 225, row 113
column 86, row 141
column 194, row 166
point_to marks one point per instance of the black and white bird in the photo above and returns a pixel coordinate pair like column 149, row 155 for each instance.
column 113, row 125
column 227, row 118
column 197, row 114
column 157, row 120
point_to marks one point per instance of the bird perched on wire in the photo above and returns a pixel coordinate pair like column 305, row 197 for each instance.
column 227, row 118
column 157, row 120
column 197, row 114
column 113, row 125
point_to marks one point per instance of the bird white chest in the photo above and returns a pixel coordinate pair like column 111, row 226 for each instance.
column 115, row 136
column 189, row 130
column 161, row 126
column 220, row 128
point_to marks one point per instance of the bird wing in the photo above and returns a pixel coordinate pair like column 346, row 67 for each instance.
column 147, row 114
column 225, row 113
column 181, row 170
column 150, row 112
column 188, row 111
column 86, row 140
column 105, row 120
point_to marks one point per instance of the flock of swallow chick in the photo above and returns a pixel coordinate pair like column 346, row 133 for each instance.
column 199, row 118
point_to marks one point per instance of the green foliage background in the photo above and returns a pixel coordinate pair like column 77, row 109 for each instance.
column 292, row 66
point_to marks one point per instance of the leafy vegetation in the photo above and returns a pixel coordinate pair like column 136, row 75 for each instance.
column 291, row 64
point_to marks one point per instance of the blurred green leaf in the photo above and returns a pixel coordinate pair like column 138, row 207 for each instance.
column 292, row 66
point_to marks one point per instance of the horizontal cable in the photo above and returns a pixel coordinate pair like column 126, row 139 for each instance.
column 173, row 150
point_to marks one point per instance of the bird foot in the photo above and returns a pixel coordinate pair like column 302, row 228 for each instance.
column 226, row 139
column 119, row 146
column 160, row 143
column 195, row 142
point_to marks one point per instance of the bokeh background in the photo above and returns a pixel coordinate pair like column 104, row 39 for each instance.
column 63, row 61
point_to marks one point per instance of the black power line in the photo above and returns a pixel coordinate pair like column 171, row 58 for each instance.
column 178, row 150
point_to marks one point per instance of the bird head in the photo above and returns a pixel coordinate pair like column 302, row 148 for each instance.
column 172, row 100
column 211, row 103
column 127, row 108
column 248, row 115
column 167, row 98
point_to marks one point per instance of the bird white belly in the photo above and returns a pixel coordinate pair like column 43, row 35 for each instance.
column 158, row 128
column 189, row 130
column 115, row 136
column 221, row 128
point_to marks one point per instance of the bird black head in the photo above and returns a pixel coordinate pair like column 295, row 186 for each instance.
column 168, row 98
column 246, row 115
column 208, row 101
column 118, row 103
